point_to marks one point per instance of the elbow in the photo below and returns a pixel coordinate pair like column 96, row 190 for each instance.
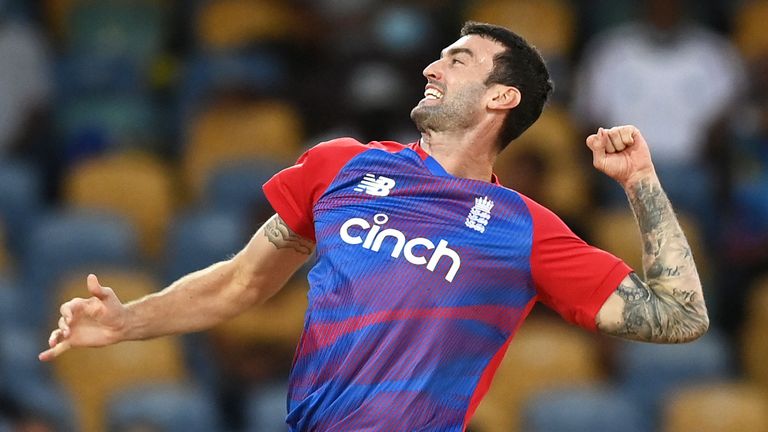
column 691, row 329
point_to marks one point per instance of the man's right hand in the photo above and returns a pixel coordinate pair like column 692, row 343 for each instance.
column 93, row 322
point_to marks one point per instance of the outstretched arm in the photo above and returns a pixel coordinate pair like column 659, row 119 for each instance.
column 668, row 306
column 197, row 301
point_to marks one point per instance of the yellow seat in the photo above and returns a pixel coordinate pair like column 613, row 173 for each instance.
column 553, row 138
column 546, row 353
column 235, row 130
column 92, row 375
column 722, row 407
column 754, row 335
column 231, row 24
column 749, row 33
column 550, row 25
column 138, row 186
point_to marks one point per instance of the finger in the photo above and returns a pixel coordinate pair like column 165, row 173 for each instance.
column 70, row 308
column 597, row 145
column 95, row 288
column 54, row 351
column 602, row 134
column 627, row 135
column 55, row 337
column 614, row 135
column 592, row 141
column 63, row 327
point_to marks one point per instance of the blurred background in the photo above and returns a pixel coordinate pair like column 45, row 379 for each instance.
column 135, row 136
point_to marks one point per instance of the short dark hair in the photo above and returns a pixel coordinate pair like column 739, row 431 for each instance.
column 521, row 66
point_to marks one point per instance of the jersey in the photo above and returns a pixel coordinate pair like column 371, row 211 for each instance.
column 420, row 281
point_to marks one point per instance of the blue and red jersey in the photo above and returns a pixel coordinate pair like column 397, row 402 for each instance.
column 421, row 281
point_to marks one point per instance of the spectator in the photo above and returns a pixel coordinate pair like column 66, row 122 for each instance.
column 681, row 79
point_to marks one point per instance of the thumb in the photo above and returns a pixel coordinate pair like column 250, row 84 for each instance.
column 95, row 288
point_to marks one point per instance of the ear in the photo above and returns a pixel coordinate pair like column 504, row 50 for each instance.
column 504, row 97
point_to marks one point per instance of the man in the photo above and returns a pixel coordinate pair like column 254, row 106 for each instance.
column 425, row 266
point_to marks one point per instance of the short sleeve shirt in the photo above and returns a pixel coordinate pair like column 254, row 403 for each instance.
column 420, row 282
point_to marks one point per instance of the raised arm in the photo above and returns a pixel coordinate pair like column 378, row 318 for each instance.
column 668, row 306
column 197, row 301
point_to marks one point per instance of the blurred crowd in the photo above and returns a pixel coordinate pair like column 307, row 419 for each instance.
column 135, row 136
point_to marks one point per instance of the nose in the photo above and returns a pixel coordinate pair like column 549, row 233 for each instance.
column 433, row 71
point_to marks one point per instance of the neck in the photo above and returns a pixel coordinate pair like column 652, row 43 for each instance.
column 463, row 154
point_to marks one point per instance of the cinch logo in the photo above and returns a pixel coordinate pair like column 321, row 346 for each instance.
column 375, row 186
column 408, row 248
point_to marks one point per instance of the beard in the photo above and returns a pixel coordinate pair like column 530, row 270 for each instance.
column 455, row 111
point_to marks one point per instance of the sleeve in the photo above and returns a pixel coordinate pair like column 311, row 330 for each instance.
column 294, row 191
column 571, row 277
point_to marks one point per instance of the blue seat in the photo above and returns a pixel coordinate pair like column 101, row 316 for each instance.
column 237, row 187
column 10, row 303
column 21, row 200
column 168, row 407
column 67, row 242
column 648, row 372
column 106, row 122
column 583, row 409
column 134, row 29
column 47, row 402
column 266, row 408
column 201, row 238
column 79, row 75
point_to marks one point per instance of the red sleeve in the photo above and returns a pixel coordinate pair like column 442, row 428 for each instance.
column 571, row 277
column 294, row 191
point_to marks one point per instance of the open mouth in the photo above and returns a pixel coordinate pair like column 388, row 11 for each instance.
column 432, row 93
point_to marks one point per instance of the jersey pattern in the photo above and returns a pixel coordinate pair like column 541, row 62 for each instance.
column 420, row 283
column 392, row 343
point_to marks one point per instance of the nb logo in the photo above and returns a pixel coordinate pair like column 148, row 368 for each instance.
column 376, row 186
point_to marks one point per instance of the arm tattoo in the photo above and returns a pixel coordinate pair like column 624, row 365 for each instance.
column 668, row 306
column 280, row 235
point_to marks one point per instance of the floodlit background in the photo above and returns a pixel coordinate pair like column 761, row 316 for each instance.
column 135, row 135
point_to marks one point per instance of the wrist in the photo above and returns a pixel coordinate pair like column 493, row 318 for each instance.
column 646, row 176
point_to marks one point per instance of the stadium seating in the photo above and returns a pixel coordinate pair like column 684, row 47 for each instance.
column 718, row 407
column 648, row 372
column 94, row 124
column 21, row 200
column 233, row 130
column 138, row 186
column 545, row 354
column 749, row 29
column 237, row 187
column 554, row 139
column 92, row 375
column 265, row 408
column 199, row 239
column 549, row 25
column 754, row 334
column 71, row 242
column 583, row 409
column 175, row 407
column 233, row 24
column 114, row 28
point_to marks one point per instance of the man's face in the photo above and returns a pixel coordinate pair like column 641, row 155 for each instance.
column 455, row 94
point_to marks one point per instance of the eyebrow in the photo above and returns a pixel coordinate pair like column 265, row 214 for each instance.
column 457, row 51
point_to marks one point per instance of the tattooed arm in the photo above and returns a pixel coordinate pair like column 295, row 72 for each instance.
column 197, row 301
column 668, row 306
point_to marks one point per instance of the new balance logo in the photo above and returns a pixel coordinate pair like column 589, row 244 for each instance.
column 375, row 186
column 480, row 214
